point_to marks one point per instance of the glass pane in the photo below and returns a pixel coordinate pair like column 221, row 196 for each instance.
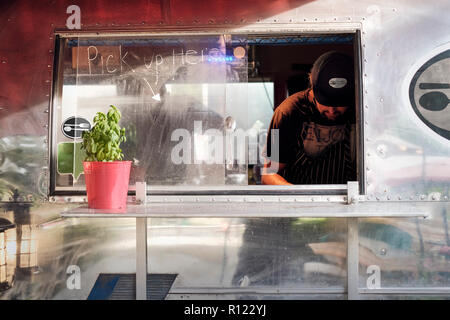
column 2, row 273
column 2, row 256
column 173, row 93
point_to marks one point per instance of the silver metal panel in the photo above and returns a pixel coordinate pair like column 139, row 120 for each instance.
column 405, row 253
column 397, row 37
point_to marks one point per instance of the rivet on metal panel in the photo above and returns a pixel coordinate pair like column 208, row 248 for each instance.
column 143, row 22
column 368, row 169
column 434, row 197
column 46, row 111
column 378, row 198
column 304, row 19
column 445, row 198
column 3, row 61
column 394, row 9
column 422, row 197
column 389, row 197
column 315, row 19
column 366, row 106
column 383, row 251
column 399, row 198
column 335, row 19
column 290, row 20
column 349, row 18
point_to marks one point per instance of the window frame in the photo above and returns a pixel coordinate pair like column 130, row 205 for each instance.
column 322, row 190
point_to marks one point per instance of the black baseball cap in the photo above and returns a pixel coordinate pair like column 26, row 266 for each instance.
column 333, row 79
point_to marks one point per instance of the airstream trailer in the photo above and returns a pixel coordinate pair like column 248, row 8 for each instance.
column 197, row 83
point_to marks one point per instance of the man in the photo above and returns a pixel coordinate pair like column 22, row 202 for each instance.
column 315, row 128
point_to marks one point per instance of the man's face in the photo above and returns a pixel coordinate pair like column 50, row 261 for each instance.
column 331, row 113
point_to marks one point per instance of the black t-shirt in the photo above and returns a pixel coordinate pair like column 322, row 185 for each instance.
column 314, row 149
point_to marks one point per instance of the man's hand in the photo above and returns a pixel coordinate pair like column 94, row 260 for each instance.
column 270, row 173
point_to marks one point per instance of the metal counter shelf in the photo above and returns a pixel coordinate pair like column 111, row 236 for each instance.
column 253, row 210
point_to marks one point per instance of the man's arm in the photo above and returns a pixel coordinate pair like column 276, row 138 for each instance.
column 270, row 173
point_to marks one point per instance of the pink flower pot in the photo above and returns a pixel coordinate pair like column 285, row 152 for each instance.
column 107, row 183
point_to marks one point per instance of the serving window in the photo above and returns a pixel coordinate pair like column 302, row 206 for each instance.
column 196, row 108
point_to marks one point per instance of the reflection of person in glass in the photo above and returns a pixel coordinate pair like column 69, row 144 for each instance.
column 315, row 137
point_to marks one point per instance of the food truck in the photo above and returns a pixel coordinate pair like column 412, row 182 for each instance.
column 197, row 83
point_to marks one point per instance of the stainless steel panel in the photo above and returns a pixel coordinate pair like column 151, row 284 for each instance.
column 408, row 253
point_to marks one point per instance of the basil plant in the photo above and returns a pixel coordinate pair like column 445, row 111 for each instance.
column 102, row 142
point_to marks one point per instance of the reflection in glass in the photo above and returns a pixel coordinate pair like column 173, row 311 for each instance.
column 6, row 277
